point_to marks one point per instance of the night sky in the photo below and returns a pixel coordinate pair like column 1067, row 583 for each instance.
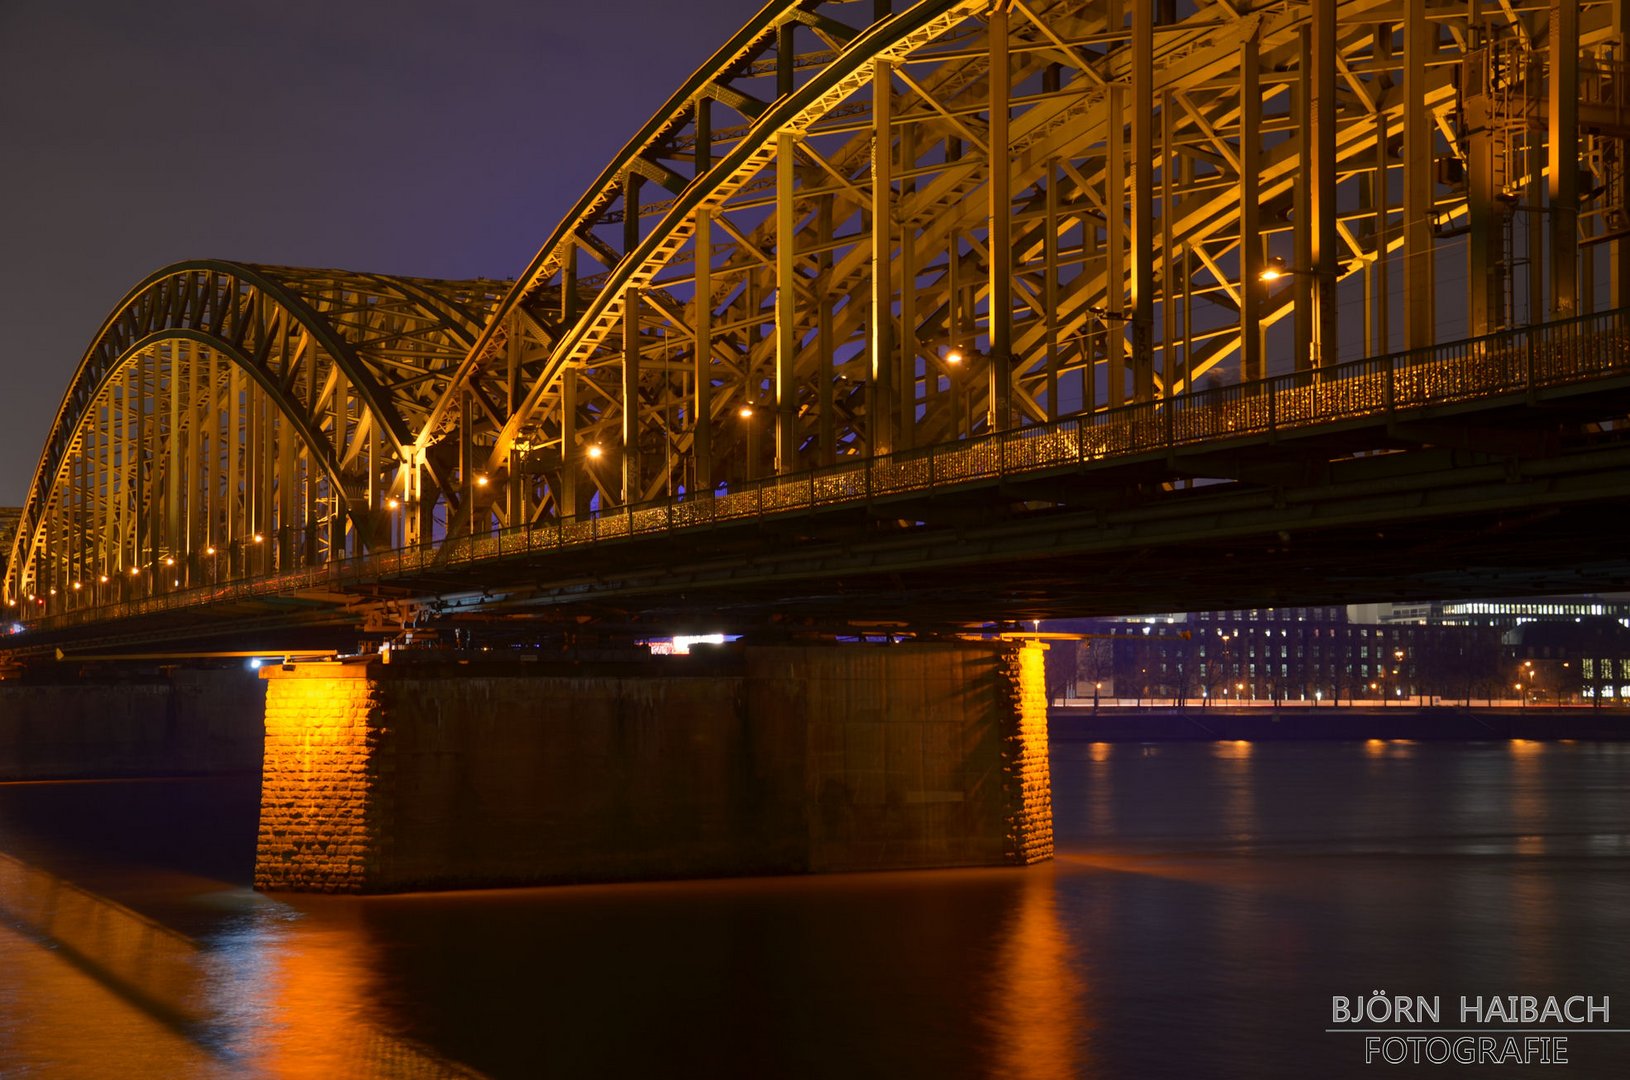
column 411, row 137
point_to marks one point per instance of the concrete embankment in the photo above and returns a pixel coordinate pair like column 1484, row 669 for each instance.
column 173, row 723
column 1166, row 723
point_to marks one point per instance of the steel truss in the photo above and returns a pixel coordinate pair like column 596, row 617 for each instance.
column 856, row 231
column 232, row 420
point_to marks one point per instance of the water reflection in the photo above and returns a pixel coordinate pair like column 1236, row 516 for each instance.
column 1041, row 1022
column 1206, row 899
column 273, row 999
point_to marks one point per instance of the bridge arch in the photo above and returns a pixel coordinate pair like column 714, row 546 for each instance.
column 231, row 420
column 858, row 230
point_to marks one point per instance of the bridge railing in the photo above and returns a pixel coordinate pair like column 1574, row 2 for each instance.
column 1516, row 362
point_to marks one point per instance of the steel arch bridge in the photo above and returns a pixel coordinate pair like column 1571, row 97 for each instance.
column 857, row 232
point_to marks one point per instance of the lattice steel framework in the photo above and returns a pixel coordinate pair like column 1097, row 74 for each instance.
column 233, row 420
column 808, row 254
column 856, row 231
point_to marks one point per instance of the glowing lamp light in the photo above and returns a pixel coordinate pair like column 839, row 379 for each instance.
column 210, row 550
column 103, row 580
column 134, row 571
column 168, row 561
column 481, row 481
column 76, row 586
column 745, row 412
column 53, row 590
column 1273, row 271
column 392, row 504
column 596, row 452
column 954, row 357
column 259, row 538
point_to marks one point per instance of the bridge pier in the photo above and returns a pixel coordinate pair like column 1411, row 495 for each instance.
column 430, row 773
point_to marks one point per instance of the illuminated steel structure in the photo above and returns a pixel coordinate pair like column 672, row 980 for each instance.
column 859, row 232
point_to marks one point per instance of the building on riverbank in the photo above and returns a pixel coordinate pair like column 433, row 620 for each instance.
column 1553, row 650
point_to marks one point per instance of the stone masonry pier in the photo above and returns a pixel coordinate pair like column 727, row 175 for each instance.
column 430, row 773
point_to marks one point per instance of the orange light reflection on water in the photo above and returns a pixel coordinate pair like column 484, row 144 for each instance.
column 295, row 1002
column 1041, row 1021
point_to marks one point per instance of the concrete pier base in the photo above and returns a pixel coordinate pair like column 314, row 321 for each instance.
column 433, row 774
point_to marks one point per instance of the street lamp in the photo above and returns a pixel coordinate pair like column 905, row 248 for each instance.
column 953, row 364
column 746, row 413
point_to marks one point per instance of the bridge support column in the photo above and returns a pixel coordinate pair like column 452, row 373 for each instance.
column 432, row 774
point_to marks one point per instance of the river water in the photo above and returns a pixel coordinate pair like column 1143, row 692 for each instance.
column 1206, row 904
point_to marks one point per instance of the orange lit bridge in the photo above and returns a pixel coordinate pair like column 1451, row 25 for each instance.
column 956, row 312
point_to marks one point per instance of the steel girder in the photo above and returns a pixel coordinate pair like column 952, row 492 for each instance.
column 785, row 264
column 231, row 419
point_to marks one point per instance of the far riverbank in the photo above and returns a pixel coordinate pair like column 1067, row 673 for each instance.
column 1166, row 723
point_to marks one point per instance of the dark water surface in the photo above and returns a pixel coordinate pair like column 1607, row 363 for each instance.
column 1206, row 903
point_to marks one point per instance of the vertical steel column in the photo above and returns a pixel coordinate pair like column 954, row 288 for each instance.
column 1302, row 226
column 953, row 322
column 825, row 368
column 632, row 476
column 1535, row 197
column 1143, row 188
column 517, row 496
column 905, row 378
column 1619, row 248
column 702, row 316
column 144, row 494
column 173, row 449
column 268, row 469
column 1186, row 178
column 880, row 398
column 786, row 308
column 786, row 287
column 1420, row 42
column 632, row 473
column 1168, row 251
column 1562, row 115
column 1485, row 255
column 74, row 540
column 1250, row 240
column 112, row 541
column 702, row 356
column 339, row 499
column 999, row 226
column 237, row 490
column 1322, row 199
column 466, row 465
column 198, row 408
column 1049, row 294
column 1115, row 251
column 566, row 500
column 1382, row 311
column 288, row 488
column 130, row 464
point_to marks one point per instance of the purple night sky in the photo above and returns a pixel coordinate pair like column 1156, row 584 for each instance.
column 412, row 137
